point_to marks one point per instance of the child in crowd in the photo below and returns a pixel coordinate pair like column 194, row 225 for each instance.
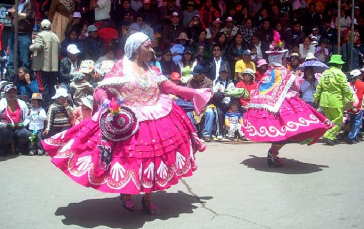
column 36, row 117
column 294, row 62
column 233, row 121
column 262, row 66
column 80, row 87
column 322, row 52
column 60, row 115
column 85, row 110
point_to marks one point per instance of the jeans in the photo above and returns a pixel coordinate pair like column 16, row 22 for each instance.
column 209, row 116
column 24, row 41
column 20, row 137
column 355, row 124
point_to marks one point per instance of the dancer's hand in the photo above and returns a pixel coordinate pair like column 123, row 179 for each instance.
column 355, row 103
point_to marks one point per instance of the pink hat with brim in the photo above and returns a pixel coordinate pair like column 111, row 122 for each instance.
column 261, row 63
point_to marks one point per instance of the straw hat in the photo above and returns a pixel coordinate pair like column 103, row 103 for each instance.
column 37, row 96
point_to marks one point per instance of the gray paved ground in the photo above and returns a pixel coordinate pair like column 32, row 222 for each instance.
column 319, row 187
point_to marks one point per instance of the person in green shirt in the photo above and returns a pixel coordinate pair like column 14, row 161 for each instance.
column 331, row 93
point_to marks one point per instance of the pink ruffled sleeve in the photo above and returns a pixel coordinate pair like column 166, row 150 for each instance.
column 199, row 97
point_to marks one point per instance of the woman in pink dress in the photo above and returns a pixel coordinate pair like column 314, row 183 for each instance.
column 139, row 141
column 275, row 112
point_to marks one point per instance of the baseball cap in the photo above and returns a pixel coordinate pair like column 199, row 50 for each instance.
column 224, row 68
column 315, row 28
column 92, row 28
column 217, row 20
column 198, row 70
column 174, row 14
column 229, row 19
column 167, row 51
column 9, row 87
column 45, row 24
column 72, row 48
column 77, row 15
column 247, row 52
column 175, row 76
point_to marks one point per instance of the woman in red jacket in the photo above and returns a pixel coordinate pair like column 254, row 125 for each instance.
column 249, row 84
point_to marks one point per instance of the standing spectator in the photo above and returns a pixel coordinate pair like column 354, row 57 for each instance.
column 60, row 14
column 310, row 18
column 36, row 117
column 188, row 13
column 12, row 121
column 172, row 31
column 102, row 10
column 45, row 50
column 69, row 65
column 215, row 64
column 93, row 44
column 230, row 29
column 200, row 81
column 208, row 13
column 331, row 93
column 26, row 19
column 357, row 61
column 356, row 113
column 60, row 114
column 244, row 64
column 266, row 32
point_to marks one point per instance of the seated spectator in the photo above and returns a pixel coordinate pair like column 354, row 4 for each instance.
column 60, row 114
column 297, row 36
column 13, row 122
column 152, row 60
column 294, row 62
column 94, row 45
column 74, row 25
column 80, row 87
column 214, row 30
column 150, row 15
column 247, row 83
column 144, row 27
column 186, row 65
column 136, row 4
column 69, row 65
column 220, row 39
column 188, row 13
column 200, row 81
column 167, row 64
column 248, row 30
column 178, row 48
column 72, row 38
column 208, row 13
column 25, row 83
column 243, row 64
column 235, row 51
column 261, row 48
column 166, row 12
column 85, row 110
column 262, row 66
column 214, row 66
column 172, row 31
column 201, row 47
column 266, row 32
column 233, row 121
column 125, row 14
column 221, row 101
column 36, row 117
column 230, row 29
column 110, row 55
column 322, row 53
column 306, row 47
column 193, row 28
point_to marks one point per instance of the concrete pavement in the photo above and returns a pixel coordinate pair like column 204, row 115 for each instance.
column 319, row 187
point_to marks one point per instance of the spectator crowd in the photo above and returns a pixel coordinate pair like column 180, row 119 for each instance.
column 67, row 46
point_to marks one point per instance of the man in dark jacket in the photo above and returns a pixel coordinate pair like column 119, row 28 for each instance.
column 218, row 60
column 310, row 19
column 68, row 65
column 26, row 19
column 172, row 31
column 94, row 45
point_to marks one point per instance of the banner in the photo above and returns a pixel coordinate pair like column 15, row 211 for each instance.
column 3, row 18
